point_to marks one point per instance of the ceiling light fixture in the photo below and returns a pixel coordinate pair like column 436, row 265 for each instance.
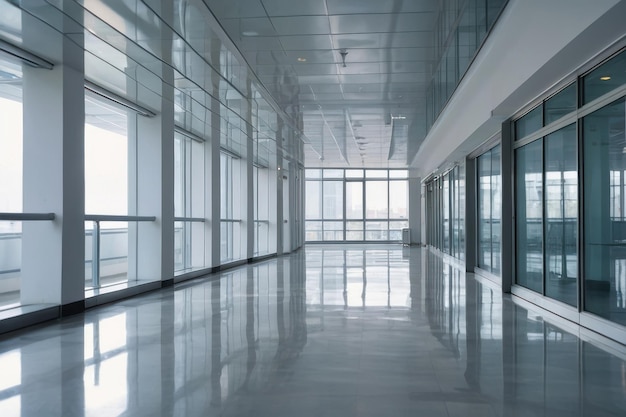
column 343, row 53
column 250, row 33
column 605, row 78
column 301, row 59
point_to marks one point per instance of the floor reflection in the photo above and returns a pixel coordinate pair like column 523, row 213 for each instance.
column 346, row 330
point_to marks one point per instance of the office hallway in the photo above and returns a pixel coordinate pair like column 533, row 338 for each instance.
column 331, row 330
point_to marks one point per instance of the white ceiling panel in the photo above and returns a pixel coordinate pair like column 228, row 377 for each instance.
column 313, row 56
column 380, row 6
column 318, row 79
column 301, row 25
column 295, row 8
column 240, row 28
column 260, row 43
column 236, row 8
column 364, row 23
column 315, row 69
column 302, row 42
column 296, row 47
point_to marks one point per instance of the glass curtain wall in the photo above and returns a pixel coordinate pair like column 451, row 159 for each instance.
column 230, row 208
column 445, row 212
column 460, row 30
column 547, row 215
column 586, row 118
column 356, row 204
column 11, row 167
column 189, row 198
column 489, row 211
column 108, row 173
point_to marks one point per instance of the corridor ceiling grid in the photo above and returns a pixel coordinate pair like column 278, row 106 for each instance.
column 359, row 114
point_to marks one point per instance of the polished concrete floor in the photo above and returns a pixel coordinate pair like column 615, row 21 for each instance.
column 329, row 331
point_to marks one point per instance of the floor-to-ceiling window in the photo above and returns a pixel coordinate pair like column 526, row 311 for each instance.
column 489, row 211
column 585, row 122
column 356, row 204
column 445, row 212
column 11, row 156
column 546, row 200
column 108, row 200
column 189, row 202
column 230, row 207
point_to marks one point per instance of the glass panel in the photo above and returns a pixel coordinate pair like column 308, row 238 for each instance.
column 529, row 214
column 607, row 77
column 395, row 229
column 313, row 200
column 376, row 173
column 354, row 173
column 333, row 199
column 560, row 104
column 10, row 154
column 333, row 230
column 484, row 211
column 106, row 159
column 354, row 200
column 354, row 231
column 462, row 211
column 561, row 222
column 313, row 173
column 11, row 167
column 10, row 263
column 446, row 213
column 179, row 176
column 398, row 173
column 313, row 230
column 496, row 212
column 398, row 199
column 529, row 123
column 376, row 206
column 376, row 230
column 333, row 173
column 604, row 142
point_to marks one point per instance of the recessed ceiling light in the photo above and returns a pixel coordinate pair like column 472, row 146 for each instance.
column 605, row 78
column 250, row 33
column 301, row 59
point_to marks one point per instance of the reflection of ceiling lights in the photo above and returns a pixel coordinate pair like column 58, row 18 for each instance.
column 301, row 59
column 605, row 78
column 398, row 117
column 250, row 33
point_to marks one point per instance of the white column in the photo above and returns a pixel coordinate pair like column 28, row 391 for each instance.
column 415, row 209
column 213, row 186
column 53, row 269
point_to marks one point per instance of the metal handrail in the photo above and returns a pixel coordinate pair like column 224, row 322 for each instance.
column 95, row 246
column 26, row 216
column 231, row 220
column 189, row 219
column 118, row 218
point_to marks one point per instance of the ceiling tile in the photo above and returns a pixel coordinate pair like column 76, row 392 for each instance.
column 380, row 6
column 313, row 57
column 260, row 43
column 360, row 78
column 315, row 69
column 357, row 40
column 240, row 28
column 301, row 25
column 318, row 79
column 361, row 68
column 360, row 23
column 295, row 8
column 236, row 8
column 306, row 42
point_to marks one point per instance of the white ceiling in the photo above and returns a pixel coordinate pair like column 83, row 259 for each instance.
column 362, row 114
